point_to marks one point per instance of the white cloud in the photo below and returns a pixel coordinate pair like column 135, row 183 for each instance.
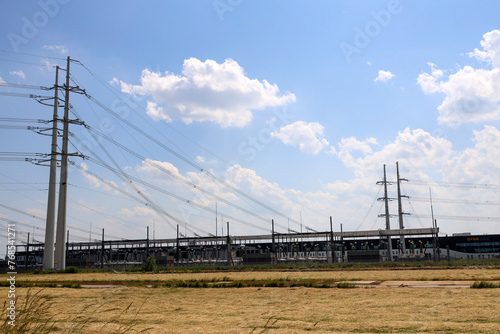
column 155, row 166
column 431, row 161
column 421, row 156
column 114, row 82
column 428, row 82
column 137, row 211
column 48, row 65
column 2, row 80
column 19, row 74
column 415, row 149
column 201, row 159
column 384, row 76
column 472, row 95
column 348, row 145
column 207, row 92
column 59, row 48
column 307, row 136
column 93, row 180
column 479, row 164
column 491, row 49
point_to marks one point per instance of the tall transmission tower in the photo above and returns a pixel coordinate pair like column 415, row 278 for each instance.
column 387, row 216
column 57, row 259
column 48, row 254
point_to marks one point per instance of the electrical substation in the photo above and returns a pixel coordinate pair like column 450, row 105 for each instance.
column 332, row 246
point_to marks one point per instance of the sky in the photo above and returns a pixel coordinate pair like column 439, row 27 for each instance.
column 203, row 112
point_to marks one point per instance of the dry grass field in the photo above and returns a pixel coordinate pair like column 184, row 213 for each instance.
column 129, row 309
column 474, row 274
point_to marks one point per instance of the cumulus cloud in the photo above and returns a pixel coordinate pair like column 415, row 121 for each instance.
column 206, row 92
column 421, row 157
column 384, row 76
column 19, row 74
column 59, row 48
column 429, row 160
column 479, row 164
column 472, row 95
column 428, row 82
column 347, row 145
column 415, row 149
column 155, row 166
column 307, row 136
column 491, row 49
column 2, row 80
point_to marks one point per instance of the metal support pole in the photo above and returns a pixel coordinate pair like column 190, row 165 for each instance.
column 177, row 248
column 447, row 249
column 436, row 238
column 400, row 210
column 60, row 255
column 67, row 244
column 102, row 250
column 50, row 225
column 342, row 242
column 216, row 241
column 27, row 253
column 228, row 246
column 387, row 217
column 332, row 245
column 147, row 241
column 273, row 246
column 434, row 225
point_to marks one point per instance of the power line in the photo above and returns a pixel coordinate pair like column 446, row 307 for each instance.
column 469, row 218
column 179, row 178
column 189, row 161
column 6, row 84
column 31, row 55
column 216, row 178
column 118, row 168
column 455, row 201
column 26, row 120
column 24, row 62
column 457, row 184
column 161, row 190
column 41, row 218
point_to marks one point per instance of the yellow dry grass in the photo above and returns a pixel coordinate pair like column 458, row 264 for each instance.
column 272, row 310
column 468, row 274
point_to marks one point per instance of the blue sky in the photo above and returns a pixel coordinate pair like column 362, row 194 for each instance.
column 296, row 104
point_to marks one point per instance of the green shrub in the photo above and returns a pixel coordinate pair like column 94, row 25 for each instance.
column 345, row 285
column 484, row 285
column 71, row 270
column 149, row 264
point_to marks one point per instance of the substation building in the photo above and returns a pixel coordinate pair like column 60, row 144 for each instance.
column 323, row 247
